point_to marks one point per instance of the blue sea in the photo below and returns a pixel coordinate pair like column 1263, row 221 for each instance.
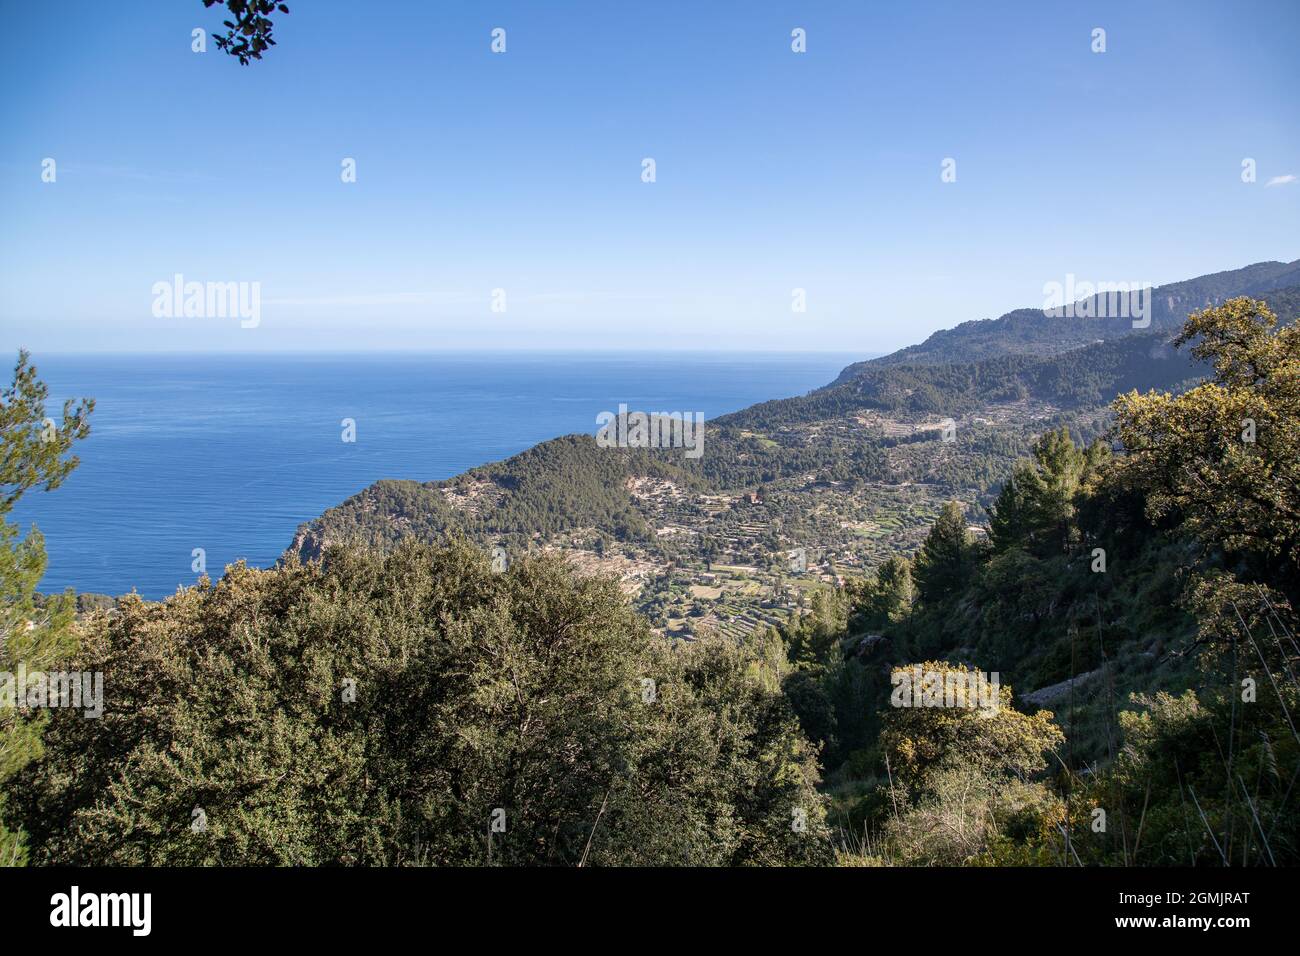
column 230, row 453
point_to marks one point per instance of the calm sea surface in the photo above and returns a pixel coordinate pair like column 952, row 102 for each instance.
column 231, row 453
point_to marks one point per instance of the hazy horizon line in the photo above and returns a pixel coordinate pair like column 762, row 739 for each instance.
column 482, row 350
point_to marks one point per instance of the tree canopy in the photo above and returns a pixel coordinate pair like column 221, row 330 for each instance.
column 1223, row 457
column 418, row 708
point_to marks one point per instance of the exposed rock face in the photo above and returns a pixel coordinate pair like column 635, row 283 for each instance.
column 1054, row 692
column 308, row 543
column 870, row 644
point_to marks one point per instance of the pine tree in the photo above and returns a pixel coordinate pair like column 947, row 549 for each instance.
column 947, row 559
column 36, row 635
column 1036, row 509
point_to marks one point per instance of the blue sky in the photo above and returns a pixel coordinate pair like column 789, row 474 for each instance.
column 522, row 171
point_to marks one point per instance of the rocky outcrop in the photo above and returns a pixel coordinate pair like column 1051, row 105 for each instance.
column 308, row 543
column 868, row 645
column 1054, row 692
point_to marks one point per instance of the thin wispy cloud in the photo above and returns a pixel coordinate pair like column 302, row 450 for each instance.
column 135, row 173
column 380, row 298
column 455, row 298
column 1281, row 180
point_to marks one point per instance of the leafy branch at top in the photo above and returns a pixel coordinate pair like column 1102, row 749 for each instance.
column 249, row 33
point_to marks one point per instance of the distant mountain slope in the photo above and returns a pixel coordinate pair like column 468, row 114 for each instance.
column 556, row 486
column 1030, row 332
column 1091, row 374
column 569, row 482
column 876, row 425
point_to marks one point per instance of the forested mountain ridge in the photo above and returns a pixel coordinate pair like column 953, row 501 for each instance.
column 808, row 458
column 1028, row 331
column 842, row 433
column 1085, row 375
